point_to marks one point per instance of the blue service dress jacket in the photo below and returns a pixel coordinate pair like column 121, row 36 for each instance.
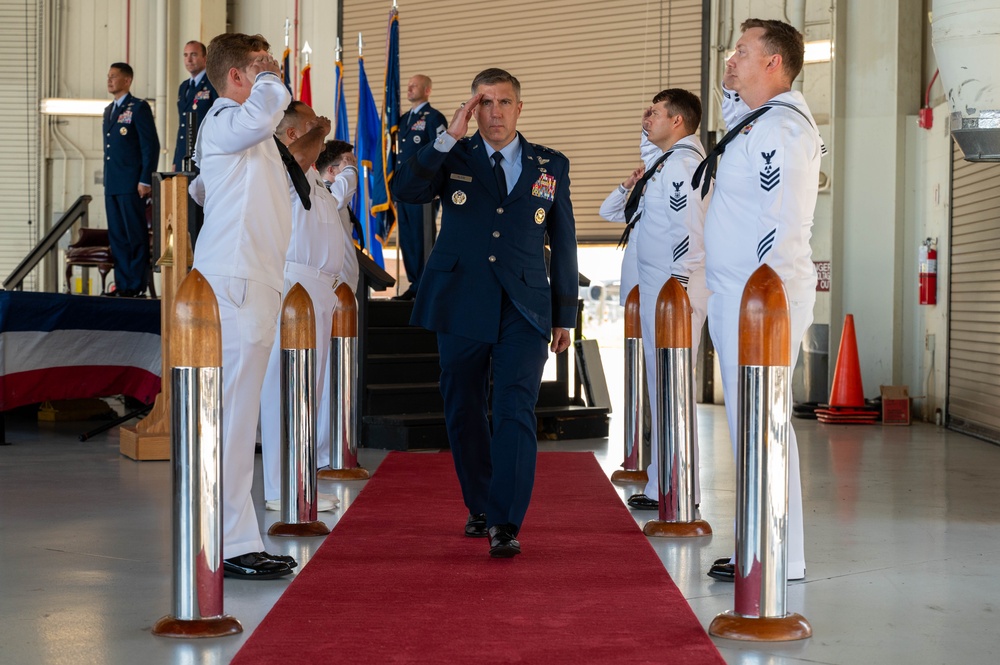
column 196, row 100
column 418, row 130
column 131, row 147
column 491, row 242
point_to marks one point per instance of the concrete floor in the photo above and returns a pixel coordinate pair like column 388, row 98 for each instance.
column 901, row 537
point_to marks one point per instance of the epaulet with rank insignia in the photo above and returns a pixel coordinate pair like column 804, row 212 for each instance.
column 542, row 148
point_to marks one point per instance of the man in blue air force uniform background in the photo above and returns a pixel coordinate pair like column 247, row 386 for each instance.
column 418, row 128
column 195, row 95
column 486, row 293
column 131, row 151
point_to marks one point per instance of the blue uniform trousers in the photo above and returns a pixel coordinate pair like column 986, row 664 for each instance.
column 496, row 470
column 129, row 239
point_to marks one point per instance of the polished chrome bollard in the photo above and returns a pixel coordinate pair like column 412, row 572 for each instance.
column 298, row 418
column 345, row 393
column 676, row 418
column 634, row 467
column 762, row 469
column 196, row 449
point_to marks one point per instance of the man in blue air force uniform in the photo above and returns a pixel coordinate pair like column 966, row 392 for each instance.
column 131, row 151
column 487, row 295
column 418, row 127
column 195, row 95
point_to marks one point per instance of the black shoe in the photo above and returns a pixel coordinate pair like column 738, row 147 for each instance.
column 408, row 294
column 503, row 545
column 280, row 558
column 253, row 566
column 643, row 502
column 122, row 293
column 722, row 570
column 475, row 526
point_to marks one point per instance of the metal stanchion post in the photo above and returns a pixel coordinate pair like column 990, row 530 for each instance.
column 297, row 414
column 345, row 400
column 762, row 469
column 674, row 397
column 634, row 467
column 196, row 446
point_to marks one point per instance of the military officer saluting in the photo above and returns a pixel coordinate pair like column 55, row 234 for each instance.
column 195, row 95
column 418, row 127
column 487, row 294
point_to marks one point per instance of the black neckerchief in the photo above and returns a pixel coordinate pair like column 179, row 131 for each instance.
column 299, row 180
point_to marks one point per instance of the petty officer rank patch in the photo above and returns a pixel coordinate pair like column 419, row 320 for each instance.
column 678, row 201
column 770, row 177
column 544, row 187
column 539, row 215
column 458, row 198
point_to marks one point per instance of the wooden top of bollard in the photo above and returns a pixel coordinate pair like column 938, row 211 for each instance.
column 345, row 314
column 765, row 323
column 673, row 317
column 196, row 336
column 298, row 320
column 633, row 327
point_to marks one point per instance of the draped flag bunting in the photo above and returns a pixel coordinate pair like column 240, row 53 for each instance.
column 341, row 131
column 381, row 198
column 368, row 148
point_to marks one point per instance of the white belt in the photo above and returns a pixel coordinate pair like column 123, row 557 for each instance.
column 310, row 271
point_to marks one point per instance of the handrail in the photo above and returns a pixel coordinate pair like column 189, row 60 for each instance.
column 79, row 209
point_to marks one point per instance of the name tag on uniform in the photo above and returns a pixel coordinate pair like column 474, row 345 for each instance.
column 459, row 176
column 544, row 187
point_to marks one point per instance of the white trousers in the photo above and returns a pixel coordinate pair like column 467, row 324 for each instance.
column 249, row 313
column 647, row 315
column 320, row 287
column 723, row 322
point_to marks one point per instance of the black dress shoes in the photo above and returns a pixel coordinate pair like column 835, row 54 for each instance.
column 280, row 558
column 643, row 502
column 475, row 526
column 722, row 570
column 503, row 545
column 408, row 294
column 254, row 566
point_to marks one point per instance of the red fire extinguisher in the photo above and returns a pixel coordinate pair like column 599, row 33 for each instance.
column 928, row 272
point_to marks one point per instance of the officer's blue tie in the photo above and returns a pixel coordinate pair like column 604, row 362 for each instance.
column 498, row 172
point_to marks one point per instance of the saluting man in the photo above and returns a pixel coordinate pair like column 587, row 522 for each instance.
column 195, row 95
column 131, row 151
column 487, row 295
column 418, row 127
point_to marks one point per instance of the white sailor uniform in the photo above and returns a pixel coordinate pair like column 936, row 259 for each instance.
column 762, row 212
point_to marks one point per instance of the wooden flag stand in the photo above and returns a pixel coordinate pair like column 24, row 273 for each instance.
column 149, row 439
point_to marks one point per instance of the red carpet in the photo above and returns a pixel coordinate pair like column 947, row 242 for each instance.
column 398, row 582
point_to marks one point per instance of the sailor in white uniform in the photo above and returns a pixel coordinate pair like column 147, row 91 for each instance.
column 335, row 164
column 315, row 260
column 762, row 212
column 666, row 234
column 241, row 252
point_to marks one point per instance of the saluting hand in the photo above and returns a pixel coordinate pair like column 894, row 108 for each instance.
column 460, row 121
column 634, row 177
column 321, row 123
column 263, row 63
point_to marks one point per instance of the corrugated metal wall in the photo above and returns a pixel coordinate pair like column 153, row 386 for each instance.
column 974, row 349
column 19, row 175
column 587, row 69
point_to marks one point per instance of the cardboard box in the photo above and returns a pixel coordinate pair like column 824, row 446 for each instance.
column 895, row 405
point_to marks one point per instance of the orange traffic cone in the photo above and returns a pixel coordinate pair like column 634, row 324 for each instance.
column 847, row 389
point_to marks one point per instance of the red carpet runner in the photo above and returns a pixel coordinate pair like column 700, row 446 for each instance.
column 398, row 582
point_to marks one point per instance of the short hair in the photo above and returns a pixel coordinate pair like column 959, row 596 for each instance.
column 427, row 79
column 783, row 39
column 124, row 68
column 333, row 151
column 493, row 76
column 683, row 103
column 204, row 51
column 290, row 118
column 228, row 50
